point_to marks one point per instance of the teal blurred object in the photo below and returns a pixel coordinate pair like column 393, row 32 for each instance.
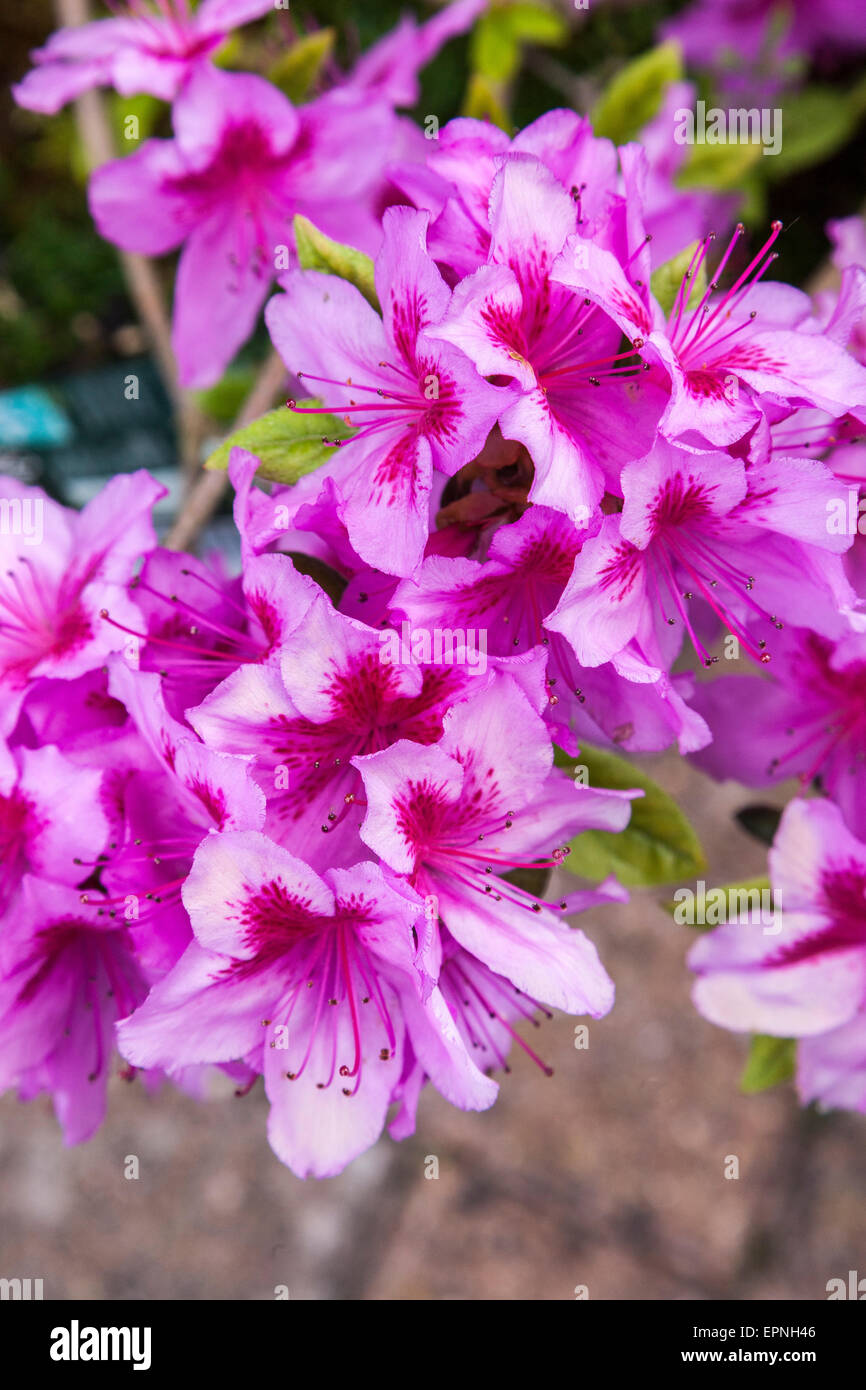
column 30, row 418
column 79, row 430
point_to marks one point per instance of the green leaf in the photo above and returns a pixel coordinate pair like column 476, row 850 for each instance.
column 771, row 1060
column 754, row 207
column 721, row 167
column 704, row 903
column 288, row 444
column 318, row 252
column 130, row 133
column 815, row 124
column 494, row 50
column 635, row 94
column 230, row 52
column 296, row 71
column 857, row 98
column 484, row 102
column 536, row 24
column 497, row 37
column 223, row 401
column 657, row 846
column 665, row 282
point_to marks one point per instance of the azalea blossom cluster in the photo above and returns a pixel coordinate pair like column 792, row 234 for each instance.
column 229, row 828
column 241, row 829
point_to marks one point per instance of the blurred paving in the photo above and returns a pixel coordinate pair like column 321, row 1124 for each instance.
column 610, row 1174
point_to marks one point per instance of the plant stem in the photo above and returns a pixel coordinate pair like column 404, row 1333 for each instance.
column 207, row 492
column 142, row 280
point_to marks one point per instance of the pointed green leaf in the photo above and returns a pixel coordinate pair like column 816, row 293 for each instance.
column 318, row 252
column 503, row 28
column 635, row 94
column 665, row 282
column 771, row 1061
column 536, row 23
column 288, row 444
column 296, row 71
column 657, row 846
column 494, row 50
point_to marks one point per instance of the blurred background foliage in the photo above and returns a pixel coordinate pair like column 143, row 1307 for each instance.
column 63, row 304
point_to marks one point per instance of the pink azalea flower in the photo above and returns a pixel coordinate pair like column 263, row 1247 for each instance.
column 752, row 543
column 574, row 412
column 453, row 179
column 456, row 179
column 151, row 46
column 848, row 309
column 242, row 163
column 49, row 814
column 848, row 236
column 509, row 596
column 55, row 577
column 419, row 405
column 481, row 801
column 808, row 720
column 831, row 1067
column 316, row 982
column 487, row 1009
column 301, row 517
column 813, row 434
column 67, row 974
column 809, row 976
column 332, row 697
column 168, row 792
column 199, row 626
column 78, row 715
column 727, row 351
column 712, row 28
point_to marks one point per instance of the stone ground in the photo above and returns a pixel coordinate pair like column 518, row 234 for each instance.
column 608, row 1175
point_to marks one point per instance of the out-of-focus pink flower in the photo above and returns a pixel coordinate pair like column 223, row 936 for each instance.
column 751, row 46
column 148, row 47
column 390, row 68
column 805, row 975
column 807, row 720
column 242, row 163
